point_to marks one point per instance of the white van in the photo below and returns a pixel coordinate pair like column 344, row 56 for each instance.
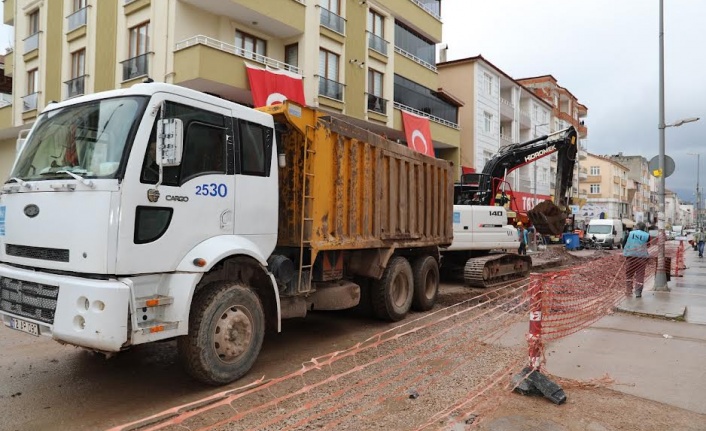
column 608, row 232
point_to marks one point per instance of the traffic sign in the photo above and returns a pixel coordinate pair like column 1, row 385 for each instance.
column 669, row 166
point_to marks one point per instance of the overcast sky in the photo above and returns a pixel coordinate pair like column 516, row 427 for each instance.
column 606, row 52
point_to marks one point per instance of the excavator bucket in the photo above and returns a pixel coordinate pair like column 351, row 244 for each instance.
column 548, row 218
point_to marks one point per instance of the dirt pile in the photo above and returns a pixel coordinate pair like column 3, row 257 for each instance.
column 547, row 218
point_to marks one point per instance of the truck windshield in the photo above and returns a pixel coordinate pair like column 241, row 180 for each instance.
column 86, row 139
column 600, row 229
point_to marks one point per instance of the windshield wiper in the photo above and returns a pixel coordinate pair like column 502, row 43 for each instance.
column 84, row 181
column 19, row 181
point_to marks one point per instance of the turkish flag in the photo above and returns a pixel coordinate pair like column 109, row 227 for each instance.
column 272, row 87
column 416, row 128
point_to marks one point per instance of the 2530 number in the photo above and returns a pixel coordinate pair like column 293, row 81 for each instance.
column 212, row 189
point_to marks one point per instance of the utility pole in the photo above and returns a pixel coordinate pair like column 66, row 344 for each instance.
column 661, row 275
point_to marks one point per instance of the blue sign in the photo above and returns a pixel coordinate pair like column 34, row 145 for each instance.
column 457, row 217
column 2, row 220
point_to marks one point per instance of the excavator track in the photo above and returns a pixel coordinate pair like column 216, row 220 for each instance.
column 488, row 271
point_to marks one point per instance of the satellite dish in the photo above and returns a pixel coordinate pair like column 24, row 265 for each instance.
column 669, row 166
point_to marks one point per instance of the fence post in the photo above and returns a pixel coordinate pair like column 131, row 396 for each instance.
column 534, row 337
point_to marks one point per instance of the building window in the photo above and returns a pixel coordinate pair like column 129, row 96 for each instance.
column 421, row 98
column 545, row 175
column 328, row 75
column 138, row 51
column 595, row 170
column 375, row 101
column 413, row 43
column 249, row 45
column 291, row 54
column 32, row 81
column 376, row 24
column 78, row 63
column 332, row 5
column 487, row 122
column 595, row 189
column 535, row 113
column 79, row 4
column 487, row 155
column 488, row 84
column 34, row 22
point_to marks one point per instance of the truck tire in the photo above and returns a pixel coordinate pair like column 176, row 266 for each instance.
column 392, row 294
column 226, row 329
column 426, row 283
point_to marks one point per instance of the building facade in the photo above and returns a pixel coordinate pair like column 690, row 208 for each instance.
column 364, row 60
column 498, row 111
column 640, row 191
column 607, row 185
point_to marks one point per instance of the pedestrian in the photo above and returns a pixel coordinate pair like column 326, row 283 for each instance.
column 636, row 257
column 522, row 234
column 699, row 238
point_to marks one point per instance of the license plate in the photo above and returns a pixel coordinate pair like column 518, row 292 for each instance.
column 28, row 327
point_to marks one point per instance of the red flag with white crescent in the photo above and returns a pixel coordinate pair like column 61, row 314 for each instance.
column 418, row 133
column 272, row 87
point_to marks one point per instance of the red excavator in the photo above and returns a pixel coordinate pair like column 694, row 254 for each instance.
column 491, row 188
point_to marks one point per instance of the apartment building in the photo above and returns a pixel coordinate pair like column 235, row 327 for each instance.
column 363, row 60
column 671, row 209
column 498, row 111
column 687, row 214
column 566, row 110
column 607, row 185
column 640, row 190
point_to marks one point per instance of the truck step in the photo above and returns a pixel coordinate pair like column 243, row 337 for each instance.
column 153, row 301
column 154, row 326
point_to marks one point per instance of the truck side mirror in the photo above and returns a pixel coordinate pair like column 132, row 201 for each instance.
column 170, row 144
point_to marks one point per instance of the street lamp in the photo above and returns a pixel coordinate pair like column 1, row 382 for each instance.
column 661, row 275
column 698, row 193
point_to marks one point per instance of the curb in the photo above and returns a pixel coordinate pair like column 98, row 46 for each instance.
column 667, row 316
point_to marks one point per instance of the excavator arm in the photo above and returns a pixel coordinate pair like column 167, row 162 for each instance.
column 547, row 217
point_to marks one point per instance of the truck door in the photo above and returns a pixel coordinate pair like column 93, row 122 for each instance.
column 160, row 224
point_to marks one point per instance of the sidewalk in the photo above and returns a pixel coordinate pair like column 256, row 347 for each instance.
column 686, row 299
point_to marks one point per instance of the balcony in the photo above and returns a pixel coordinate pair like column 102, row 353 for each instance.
column 31, row 43
column 239, row 52
column 505, row 140
column 507, row 109
column 75, row 87
column 9, row 63
column 29, row 102
column 377, row 43
column 377, row 104
column 5, row 99
column 423, row 13
column 332, row 21
column 582, row 152
column 136, row 66
column 583, row 131
column 280, row 19
column 8, row 8
column 331, row 89
column 583, row 174
column 77, row 19
column 616, row 179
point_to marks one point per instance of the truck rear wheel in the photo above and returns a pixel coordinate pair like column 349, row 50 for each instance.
column 226, row 329
column 426, row 283
column 392, row 294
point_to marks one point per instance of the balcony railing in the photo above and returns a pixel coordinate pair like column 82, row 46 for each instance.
column 377, row 104
column 433, row 118
column 232, row 49
column 433, row 8
column 507, row 108
column 29, row 102
column 525, row 119
column 332, row 21
column 415, row 58
column 5, row 99
column 75, row 87
column 377, row 43
column 506, row 139
column 330, row 89
column 77, row 19
column 136, row 66
column 31, row 42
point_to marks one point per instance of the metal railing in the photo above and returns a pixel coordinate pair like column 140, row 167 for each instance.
column 75, row 87
column 136, row 66
column 438, row 120
column 77, row 19
column 507, row 102
column 5, row 99
column 330, row 89
column 31, row 42
column 377, row 43
column 506, row 138
column 29, row 102
column 415, row 58
column 232, row 49
column 377, row 104
column 428, row 9
column 333, row 21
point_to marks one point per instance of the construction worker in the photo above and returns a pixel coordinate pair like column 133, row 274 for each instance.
column 522, row 234
column 636, row 257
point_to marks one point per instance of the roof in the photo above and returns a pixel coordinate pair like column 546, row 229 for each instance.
column 448, row 97
column 553, row 79
column 608, row 159
column 496, row 68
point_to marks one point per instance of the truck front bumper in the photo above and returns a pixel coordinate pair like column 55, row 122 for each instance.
column 79, row 311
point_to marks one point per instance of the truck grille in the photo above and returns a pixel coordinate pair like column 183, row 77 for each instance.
column 25, row 298
column 43, row 253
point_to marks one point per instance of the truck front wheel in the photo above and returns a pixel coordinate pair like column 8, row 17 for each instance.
column 226, row 329
column 426, row 283
column 392, row 294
